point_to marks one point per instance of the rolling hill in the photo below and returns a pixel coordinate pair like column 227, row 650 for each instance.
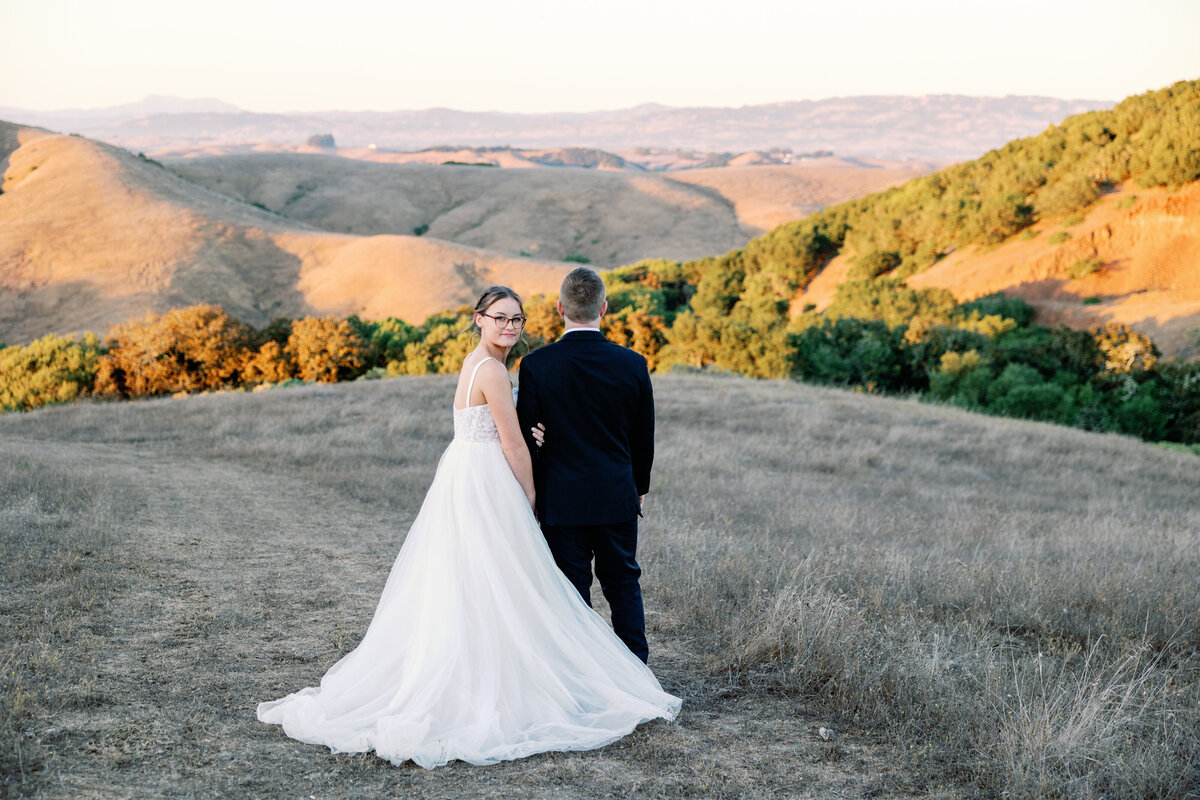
column 611, row 218
column 1095, row 220
column 1144, row 245
column 91, row 235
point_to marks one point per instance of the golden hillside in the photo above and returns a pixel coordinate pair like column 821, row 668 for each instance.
column 1144, row 245
column 91, row 235
column 766, row 196
column 519, row 204
column 610, row 218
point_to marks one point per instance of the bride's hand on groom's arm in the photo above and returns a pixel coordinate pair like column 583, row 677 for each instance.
column 539, row 434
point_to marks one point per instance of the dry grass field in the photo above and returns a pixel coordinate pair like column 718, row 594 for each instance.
column 977, row 607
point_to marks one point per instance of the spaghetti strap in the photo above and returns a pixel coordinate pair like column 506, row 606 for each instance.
column 475, row 372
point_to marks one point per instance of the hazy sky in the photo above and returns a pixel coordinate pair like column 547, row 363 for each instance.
column 545, row 55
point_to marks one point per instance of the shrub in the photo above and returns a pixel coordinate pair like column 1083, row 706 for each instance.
column 1065, row 196
column 999, row 304
column 925, row 356
column 873, row 264
column 692, row 341
column 638, row 330
column 271, row 364
column 754, row 351
column 1126, row 202
column 889, row 300
column 1020, row 391
column 1124, row 349
column 1071, row 222
column 53, row 369
column 1058, row 237
column 1084, row 267
column 543, row 323
column 185, row 350
column 385, row 340
column 1142, row 414
column 443, row 342
column 1179, row 396
column 577, row 258
column 417, row 361
column 325, row 349
column 850, row 352
column 961, row 378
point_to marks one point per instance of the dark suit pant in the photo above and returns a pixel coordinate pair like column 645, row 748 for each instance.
column 613, row 547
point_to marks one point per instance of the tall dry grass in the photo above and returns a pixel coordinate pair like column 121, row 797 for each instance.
column 1009, row 608
column 1013, row 606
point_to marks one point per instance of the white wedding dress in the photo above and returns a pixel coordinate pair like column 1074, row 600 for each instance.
column 480, row 649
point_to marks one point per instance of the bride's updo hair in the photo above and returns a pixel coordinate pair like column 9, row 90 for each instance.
column 486, row 300
column 492, row 294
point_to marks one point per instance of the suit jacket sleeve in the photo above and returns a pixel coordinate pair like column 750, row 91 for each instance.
column 528, row 411
column 642, row 446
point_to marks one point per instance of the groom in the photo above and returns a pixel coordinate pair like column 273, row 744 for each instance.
column 593, row 470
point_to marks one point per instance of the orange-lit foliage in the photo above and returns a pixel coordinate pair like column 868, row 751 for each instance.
column 544, row 325
column 271, row 364
column 1124, row 349
column 185, row 350
column 645, row 333
column 325, row 349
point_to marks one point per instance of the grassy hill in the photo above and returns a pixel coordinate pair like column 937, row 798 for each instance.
column 91, row 235
column 975, row 606
column 610, row 218
column 945, row 227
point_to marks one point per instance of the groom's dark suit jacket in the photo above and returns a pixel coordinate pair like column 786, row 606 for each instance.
column 596, row 402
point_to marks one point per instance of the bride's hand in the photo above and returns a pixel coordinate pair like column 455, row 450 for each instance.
column 539, row 434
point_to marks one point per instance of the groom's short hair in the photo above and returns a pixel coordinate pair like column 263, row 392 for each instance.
column 582, row 295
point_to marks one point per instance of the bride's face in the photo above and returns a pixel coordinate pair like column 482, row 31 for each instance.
column 495, row 325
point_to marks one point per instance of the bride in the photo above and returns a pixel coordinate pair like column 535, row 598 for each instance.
column 480, row 649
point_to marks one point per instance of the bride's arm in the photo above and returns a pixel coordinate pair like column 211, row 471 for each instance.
column 497, row 391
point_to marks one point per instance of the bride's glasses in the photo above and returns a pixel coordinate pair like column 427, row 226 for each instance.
column 503, row 322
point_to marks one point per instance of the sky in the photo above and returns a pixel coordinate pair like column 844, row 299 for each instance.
column 550, row 55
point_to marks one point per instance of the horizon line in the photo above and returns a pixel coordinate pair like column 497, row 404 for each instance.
column 240, row 109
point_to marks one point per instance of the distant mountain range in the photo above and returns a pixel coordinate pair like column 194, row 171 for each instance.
column 943, row 128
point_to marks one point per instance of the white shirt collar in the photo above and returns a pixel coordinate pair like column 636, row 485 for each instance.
column 581, row 328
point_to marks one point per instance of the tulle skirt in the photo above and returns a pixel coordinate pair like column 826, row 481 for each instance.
column 480, row 649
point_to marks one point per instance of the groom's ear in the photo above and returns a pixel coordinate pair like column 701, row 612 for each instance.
column 604, row 308
column 558, row 305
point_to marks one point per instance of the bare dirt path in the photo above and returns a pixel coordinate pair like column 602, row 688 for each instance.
column 240, row 577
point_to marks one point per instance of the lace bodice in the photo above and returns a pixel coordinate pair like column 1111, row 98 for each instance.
column 475, row 423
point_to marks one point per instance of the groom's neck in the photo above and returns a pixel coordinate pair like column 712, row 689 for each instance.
column 570, row 324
